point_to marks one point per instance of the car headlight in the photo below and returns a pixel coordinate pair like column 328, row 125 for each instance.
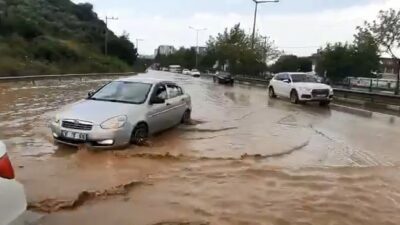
column 305, row 89
column 331, row 91
column 56, row 119
column 114, row 123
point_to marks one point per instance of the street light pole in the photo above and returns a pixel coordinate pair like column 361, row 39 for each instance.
column 106, row 34
column 137, row 44
column 197, row 43
column 253, row 37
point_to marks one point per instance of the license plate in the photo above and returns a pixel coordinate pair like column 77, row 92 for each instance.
column 74, row 135
column 321, row 96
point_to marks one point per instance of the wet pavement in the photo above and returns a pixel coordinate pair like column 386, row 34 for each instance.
column 245, row 160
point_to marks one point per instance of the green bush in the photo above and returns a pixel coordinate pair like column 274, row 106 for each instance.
column 57, row 36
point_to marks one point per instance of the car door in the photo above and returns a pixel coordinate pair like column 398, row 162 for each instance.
column 286, row 85
column 178, row 103
column 277, row 84
column 157, row 115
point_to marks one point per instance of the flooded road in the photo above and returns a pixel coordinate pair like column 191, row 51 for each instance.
column 246, row 160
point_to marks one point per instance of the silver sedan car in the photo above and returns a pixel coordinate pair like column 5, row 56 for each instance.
column 123, row 111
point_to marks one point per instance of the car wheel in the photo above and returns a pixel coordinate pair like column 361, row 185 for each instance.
column 140, row 134
column 186, row 117
column 294, row 97
column 324, row 103
column 271, row 92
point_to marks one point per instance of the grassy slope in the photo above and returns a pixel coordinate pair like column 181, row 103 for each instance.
column 53, row 36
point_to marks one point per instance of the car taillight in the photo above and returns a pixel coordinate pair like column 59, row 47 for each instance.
column 6, row 169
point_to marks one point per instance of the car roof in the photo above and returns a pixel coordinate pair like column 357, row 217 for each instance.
column 146, row 80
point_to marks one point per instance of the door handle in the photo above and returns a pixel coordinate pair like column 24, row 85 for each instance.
column 168, row 104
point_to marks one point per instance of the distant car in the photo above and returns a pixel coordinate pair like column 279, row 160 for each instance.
column 195, row 73
column 175, row 69
column 300, row 87
column 12, row 195
column 124, row 111
column 224, row 78
column 186, row 72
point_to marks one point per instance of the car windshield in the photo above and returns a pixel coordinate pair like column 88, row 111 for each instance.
column 303, row 78
column 194, row 70
column 125, row 92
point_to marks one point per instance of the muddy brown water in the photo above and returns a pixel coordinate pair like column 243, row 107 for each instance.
column 245, row 160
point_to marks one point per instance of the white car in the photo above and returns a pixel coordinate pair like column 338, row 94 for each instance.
column 300, row 87
column 12, row 195
column 195, row 73
column 186, row 72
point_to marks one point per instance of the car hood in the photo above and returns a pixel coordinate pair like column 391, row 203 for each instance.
column 95, row 111
column 313, row 85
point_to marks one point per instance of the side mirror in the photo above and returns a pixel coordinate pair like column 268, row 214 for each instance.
column 90, row 94
column 286, row 81
column 157, row 100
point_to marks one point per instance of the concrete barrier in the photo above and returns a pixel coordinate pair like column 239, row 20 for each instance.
column 355, row 111
column 367, row 97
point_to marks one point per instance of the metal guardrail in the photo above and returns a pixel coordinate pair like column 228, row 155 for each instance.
column 44, row 77
column 377, row 98
column 252, row 80
column 372, row 97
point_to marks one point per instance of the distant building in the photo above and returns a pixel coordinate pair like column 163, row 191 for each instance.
column 389, row 68
column 202, row 50
column 146, row 56
column 165, row 50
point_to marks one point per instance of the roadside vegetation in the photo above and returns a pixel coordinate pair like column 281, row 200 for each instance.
column 231, row 50
column 58, row 36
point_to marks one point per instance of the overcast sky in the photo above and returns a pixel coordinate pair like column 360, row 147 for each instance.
column 297, row 26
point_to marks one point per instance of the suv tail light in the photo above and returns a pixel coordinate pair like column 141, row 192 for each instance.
column 6, row 169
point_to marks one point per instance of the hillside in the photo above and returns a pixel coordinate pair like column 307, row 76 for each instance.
column 57, row 36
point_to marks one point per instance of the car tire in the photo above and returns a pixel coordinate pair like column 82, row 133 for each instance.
column 271, row 92
column 324, row 103
column 186, row 117
column 140, row 134
column 294, row 97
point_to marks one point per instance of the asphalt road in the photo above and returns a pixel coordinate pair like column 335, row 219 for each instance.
column 246, row 160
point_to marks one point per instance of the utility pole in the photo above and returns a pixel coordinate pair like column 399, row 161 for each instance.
column 106, row 34
column 253, row 37
column 197, row 43
column 265, row 48
column 137, row 44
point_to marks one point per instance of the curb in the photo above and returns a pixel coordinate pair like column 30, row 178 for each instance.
column 367, row 104
column 359, row 112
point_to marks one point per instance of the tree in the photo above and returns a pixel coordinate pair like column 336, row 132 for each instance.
column 359, row 59
column 185, row 57
column 233, row 48
column 386, row 32
column 122, row 48
column 292, row 63
column 366, row 55
column 335, row 61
